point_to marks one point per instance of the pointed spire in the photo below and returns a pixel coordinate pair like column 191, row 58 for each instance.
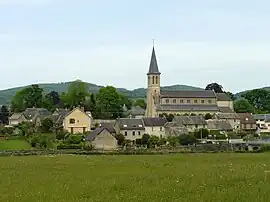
column 153, row 69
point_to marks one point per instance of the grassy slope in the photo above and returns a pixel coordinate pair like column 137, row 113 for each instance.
column 194, row 177
column 14, row 144
column 6, row 95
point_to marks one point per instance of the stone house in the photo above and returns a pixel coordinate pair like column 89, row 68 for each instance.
column 191, row 123
column 155, row 126
column 218, row 125
column 232, row 118
column 247, row 122
column 77, row 121
column 16, row 119
column 135, row 112
column 131, row 128
column 262, row 122
column 101, row 138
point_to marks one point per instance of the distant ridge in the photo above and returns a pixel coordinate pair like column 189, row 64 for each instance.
column 6, row 95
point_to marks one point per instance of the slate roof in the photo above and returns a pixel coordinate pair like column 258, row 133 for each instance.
column 135, row 111
column 189, row 120
column 130, row 124
column 227, row 116
column 246, row 118
column 61, row 111
column 261, row 116
column 108, row 126
column 187, row 108
column 15, row 116
column 223, row 97
column 31, row 113
column 188, row 94
column 155, row 121
column 214, row 124
column 225, row 110
column 94, row 134
column 153, row 68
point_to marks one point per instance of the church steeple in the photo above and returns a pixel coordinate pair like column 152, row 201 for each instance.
column 153, row 68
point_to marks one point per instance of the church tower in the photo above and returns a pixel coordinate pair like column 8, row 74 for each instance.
column 153, row 86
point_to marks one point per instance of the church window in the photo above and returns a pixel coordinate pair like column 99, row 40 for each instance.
column 174, row 101
column 167, row 101
column 149, row 79
column 156, row 79
column 195, row 101
column 209, row 101
column 202, row 101
column 181, row 101
column 188, row 101
column 153, row 80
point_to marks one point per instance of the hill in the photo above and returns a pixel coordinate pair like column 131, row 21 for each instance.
column 6, row 95
column 238, row 95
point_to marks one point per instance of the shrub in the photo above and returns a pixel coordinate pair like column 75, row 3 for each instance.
column 187, row 139
column 120, row 138
column 138, row 141
column 74, row 139
column 46, row 126
column 145, row 139
column 153, row 141
column 60, row 135
column 68, row 146
column 173, row 140
column 208, row 116
column 265, row 148
column 201, row 133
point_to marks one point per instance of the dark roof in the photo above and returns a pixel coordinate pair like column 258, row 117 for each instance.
column 189, row 120
column 130, row 124
column 225, row 110
column 188, row 94
column 16, row 116
column 153, row 68
column 61, row 111
column 95, row 133
column 109, row 126
column 246, row 118
column 227, row 116
column 155, row 121
column 187, row 108
column 218, row 125
column 261, row 116
column 223, row 97
column 29, row 113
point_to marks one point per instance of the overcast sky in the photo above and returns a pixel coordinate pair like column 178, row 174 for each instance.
column 109, row 42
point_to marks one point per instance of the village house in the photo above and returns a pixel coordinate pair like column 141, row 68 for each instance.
column 155, row 126
column 131, row 128
column 77, row 121
column 219, row 125
column 101, row 138
column 181, row 102
column 191, row 123
column 263, row 122
column 247, row 122
column 232, row 118
column 16, row 119
column 134, row 112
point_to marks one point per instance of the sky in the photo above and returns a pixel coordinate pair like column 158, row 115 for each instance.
column 110, row 42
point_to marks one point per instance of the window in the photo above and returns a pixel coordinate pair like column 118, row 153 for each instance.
column 153, row 80
column 125, row 126
column 156, row 79
column 139, row 133
column 202, row 101
column 71, row 121
column 195, row 101
column 152, row 129
column 133, row 133
column 174, row 101
column 134, row 126
column 160, row 129
column 209, row 101
column 188, row 101
column 125, row 133
column 167, row 101
column 196, row 126
column 140, row 125
column 181, row 101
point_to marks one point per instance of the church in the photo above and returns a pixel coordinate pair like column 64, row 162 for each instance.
column 181, row 102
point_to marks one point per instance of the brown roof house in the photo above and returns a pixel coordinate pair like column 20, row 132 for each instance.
column 181, row 102
column 131, row 128
column 77, row 121
column 247, row 122
column 155, row 126
column 101, row 138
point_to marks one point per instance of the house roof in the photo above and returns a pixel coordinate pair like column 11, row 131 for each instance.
column 135, row 111
column 246, row 118
column 188, row 94
column 214, row 124
column 31, row 113
column 187, row 108
column 227, row 116
column 223, row 97
column 155, row 121
column 130, row 124
column 61, row 111
column 189, row 120
column 16, row 116
column 153, row 68
column 95, row 133
column 261, row 116
column 109, row 126
column 226, row 110
column 76, row 108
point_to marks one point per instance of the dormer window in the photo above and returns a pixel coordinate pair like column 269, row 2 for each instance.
column 140, row 125
column 134, row 126
column 125, row 126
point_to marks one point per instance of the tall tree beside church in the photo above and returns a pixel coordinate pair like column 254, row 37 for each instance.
column 109, row 103
column 214, row 86
column 28, row 97
column 4, row 114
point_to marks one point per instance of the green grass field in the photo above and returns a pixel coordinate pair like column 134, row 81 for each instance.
column 14, row 145
column 186, row 177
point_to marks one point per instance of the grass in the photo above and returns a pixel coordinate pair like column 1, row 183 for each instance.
column 188, row 177
column 14, row 144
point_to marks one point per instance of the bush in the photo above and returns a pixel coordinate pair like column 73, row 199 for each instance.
column 187, row 139
column 60, row 135
column 145, row 139
column 173, row 140
column 120, row 138
column 74, row 139
column 201, row 133
column 152, row 141
column 69, row 146
column 138, row 141
column 265, row 148
column 46, row 126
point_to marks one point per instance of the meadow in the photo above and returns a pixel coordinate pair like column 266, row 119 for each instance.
column 14, row 145
column 179, row 177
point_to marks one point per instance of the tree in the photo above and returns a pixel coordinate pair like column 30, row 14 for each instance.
column 46, row 125
column 231, row 95
column 120, row 139
column 215, row 87
column 208, row 116
column 173, row 140
column 145, row 139
column 4, row 114
column 109, row 103
column 90, row 105
column 187, row 139
column 243, row 106
column 141, row 103
column 259, row 98
column 153, row 141
column 201, row 133
column 28, row 97
column 125, row 101
column 51, row 100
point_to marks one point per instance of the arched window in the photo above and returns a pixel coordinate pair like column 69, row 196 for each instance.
column 153, row 80
column 156, row 79
column 149, row 80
